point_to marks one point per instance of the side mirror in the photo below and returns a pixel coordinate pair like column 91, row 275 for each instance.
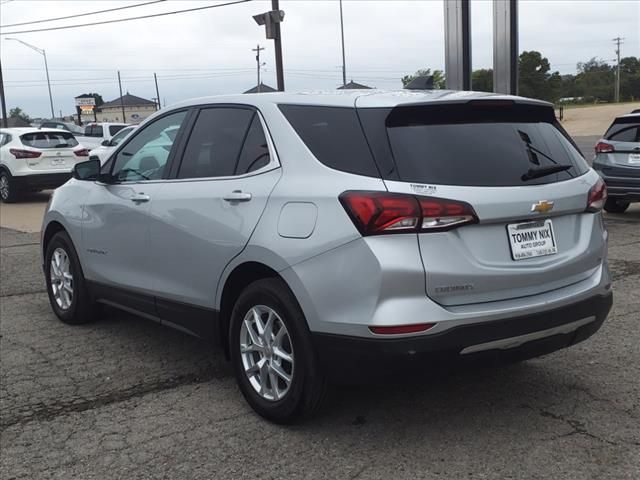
column 106, row 143
column 89, row 170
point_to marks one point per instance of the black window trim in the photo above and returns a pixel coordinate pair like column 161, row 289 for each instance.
column 274, row 162
column 175, row 147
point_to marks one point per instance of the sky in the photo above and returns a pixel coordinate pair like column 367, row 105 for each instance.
column 209, row 52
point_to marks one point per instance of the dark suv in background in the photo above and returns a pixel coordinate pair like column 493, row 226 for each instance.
column 617, row 161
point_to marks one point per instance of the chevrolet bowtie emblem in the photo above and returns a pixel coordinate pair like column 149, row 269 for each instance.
column 542, row 206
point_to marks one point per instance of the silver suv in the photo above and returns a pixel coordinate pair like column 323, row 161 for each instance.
column 339, row 236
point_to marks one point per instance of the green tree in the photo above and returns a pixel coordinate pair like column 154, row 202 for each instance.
column 595, row 80
column 482, row 80
column 630, row 78
column 535, row 81
column 17, row 112
column 438, row 77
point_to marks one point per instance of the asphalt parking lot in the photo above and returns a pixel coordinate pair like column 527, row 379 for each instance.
column 125, row 398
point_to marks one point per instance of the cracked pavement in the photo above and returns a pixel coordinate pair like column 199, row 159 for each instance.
column 126, row 398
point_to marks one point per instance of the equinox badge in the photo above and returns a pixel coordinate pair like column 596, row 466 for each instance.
column 542, row 206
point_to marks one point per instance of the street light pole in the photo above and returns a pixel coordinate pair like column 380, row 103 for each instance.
column 46, row 68
column 344, row 66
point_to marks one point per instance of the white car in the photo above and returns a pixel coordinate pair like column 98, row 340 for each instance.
column 96, row 133
column 33, row 159
column 108, row 146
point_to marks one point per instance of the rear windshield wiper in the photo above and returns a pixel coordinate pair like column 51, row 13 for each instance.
column 544, row 171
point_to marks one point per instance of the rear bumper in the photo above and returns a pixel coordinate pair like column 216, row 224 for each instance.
column 346, row 358
column 620, row 185
column 41, row 181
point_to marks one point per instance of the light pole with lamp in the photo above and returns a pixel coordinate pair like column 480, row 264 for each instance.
column 46, row 68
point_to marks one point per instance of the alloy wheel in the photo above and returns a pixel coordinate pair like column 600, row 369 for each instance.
column 267, row 353
column 4, row 187
column 61, row 279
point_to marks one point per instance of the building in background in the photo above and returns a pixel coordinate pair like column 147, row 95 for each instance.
column 353, row 86
column 262, row 88
column 136, row 109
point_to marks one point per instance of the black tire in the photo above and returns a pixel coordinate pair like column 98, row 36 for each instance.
column 82, row 308
column 10, row 193
column 613, row 205
column 308, row 386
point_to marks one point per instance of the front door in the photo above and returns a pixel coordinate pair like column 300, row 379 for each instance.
column 115, row 228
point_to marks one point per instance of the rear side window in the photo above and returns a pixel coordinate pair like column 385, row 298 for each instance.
column 113, row 129
column 215, row 143
column 334, row 136
column 255, row 151
column 60, row 139
column 462, row 145
column 627, row 134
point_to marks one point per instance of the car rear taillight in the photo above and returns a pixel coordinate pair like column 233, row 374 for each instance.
column 18, row 153
column 597, row 197
column 83, row 152
column 402, row 329
column 377, row 213
column 604, row 147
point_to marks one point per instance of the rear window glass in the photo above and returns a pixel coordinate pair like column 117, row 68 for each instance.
column 334, row 136
column 620, row 124
column 93, row 131
column 60, row 139
column 627, row 134
column 113, row 129
column 460, row 145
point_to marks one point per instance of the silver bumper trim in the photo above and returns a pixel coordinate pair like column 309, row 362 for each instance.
column 512, row 342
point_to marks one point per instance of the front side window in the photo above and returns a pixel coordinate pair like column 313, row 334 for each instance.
column 145, row 156
column 215, row 143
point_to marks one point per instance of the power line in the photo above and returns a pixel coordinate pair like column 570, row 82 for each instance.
column 81, row 14
column 127, row 19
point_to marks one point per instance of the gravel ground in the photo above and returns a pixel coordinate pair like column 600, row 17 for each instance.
column 125, row 398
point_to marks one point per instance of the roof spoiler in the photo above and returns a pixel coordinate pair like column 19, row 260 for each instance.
column 420, row 83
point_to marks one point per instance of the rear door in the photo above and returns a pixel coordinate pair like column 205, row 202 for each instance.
column 522, row 176
column 57, row 150
column 204, row 216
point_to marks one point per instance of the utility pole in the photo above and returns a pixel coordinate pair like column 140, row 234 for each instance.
column 618, row 41
column 258, row 49
column 155, row 78
column 124, row 117
column 271, row 21
column 344, row 66
column 275, row 6
column 5, row 120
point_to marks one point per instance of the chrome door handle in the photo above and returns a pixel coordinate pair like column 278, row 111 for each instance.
column 237, row 196
column 140, row 198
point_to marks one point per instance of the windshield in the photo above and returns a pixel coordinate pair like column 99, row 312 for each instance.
column 61, row 139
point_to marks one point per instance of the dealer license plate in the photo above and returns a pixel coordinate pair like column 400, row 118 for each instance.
column 634, row 158
column 531, row 239
column 56, row 162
